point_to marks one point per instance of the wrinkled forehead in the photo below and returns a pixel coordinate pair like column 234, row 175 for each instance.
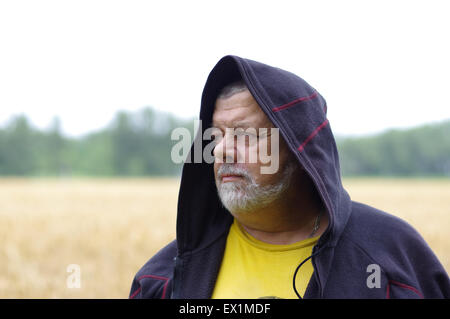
column 239, row 110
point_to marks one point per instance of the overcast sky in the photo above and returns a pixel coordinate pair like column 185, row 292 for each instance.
column 379, row 64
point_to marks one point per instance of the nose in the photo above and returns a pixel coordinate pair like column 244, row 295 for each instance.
column 225, row 150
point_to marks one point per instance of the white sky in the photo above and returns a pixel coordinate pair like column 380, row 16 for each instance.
column 379, row 64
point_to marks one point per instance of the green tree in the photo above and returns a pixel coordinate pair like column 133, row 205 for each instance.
column 18, row 148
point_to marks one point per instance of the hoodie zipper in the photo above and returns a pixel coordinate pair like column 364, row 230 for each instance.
column 177, row 273
column 316, row 272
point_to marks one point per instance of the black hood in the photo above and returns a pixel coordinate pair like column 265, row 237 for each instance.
column 299, row 111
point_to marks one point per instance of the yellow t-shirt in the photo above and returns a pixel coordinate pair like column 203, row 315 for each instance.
column 254, row 269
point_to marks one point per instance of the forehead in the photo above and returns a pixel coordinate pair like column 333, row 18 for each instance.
column 239, row 110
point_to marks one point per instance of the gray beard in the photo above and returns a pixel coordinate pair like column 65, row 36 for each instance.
column 248, row 196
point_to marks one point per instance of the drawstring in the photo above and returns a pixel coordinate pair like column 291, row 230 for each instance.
column 298, row 267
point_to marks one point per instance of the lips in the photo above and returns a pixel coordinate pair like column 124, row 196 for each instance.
column 230, row 178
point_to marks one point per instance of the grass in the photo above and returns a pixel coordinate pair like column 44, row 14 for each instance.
column 111, row 227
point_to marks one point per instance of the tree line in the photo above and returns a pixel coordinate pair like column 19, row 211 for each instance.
column 133, row 144
column 420, row 151
column 139, row 144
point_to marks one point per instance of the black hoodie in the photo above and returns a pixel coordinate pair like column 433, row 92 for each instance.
column 360, row 241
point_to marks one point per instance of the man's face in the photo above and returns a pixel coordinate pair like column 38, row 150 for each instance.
column 237, row 167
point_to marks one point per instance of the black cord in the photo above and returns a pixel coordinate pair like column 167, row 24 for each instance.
column 297, row 269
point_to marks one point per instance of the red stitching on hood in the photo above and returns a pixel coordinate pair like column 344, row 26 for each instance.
column 163, row 296
column 289, row 104
column 314, row 133
column 402, row 286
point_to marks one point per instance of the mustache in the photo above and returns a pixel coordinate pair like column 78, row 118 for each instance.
column 233, row 169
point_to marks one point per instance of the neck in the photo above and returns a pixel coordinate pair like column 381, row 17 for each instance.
column 285, row 233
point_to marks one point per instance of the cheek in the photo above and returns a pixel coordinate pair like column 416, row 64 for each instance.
column 266, row 179
column 245, row 146
column 254, row 153
column 255, row 171
column 250, row 151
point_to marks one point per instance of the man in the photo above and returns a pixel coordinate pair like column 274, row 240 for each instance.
column 294, row 232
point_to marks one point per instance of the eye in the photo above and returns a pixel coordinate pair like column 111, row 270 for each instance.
column 263, row 133
column 249, row 134
column 239, row 132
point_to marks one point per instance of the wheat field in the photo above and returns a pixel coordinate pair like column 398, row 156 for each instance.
column 110, row 227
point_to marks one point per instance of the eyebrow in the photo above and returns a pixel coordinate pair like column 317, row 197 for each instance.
column 242, row 124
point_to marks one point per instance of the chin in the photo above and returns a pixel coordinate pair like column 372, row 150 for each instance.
column 232, row 196
column 239, row 199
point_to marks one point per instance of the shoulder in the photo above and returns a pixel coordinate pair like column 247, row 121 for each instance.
column 366, row 223
column 383, row 236
column 154, row 279
column 397, row 247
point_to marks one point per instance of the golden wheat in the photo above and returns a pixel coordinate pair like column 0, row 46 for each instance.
column 110, row 227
